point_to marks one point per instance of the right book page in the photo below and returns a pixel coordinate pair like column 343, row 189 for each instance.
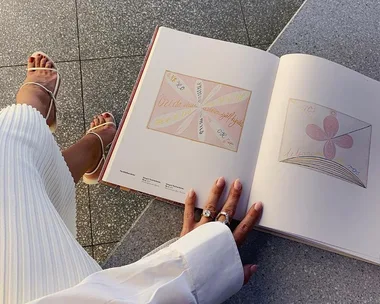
column 318, row 170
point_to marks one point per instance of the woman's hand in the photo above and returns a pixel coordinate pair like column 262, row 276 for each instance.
column 210, row 212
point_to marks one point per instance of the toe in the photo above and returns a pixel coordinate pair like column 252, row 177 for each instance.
column 31, row 62
column 92, row 124
column 101, row 119
column 96, row 120
column 48, row 64
column 37, row 60
column 43, row 61
column 108, row 117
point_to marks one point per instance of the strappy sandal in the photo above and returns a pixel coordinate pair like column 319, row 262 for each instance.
column 53, row 95
column 86, row 177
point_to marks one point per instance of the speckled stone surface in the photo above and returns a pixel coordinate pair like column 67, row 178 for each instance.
column 290, row 272
column 28, row 26
column 107, row 85
column 266, row 19
column 102, row 251
column 126, row 27
column 346, row 32
column 113, row 211
column 159, row 223
column 89, row 250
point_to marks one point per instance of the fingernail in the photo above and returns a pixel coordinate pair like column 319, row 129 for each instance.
column 220, row 182
column 237, row 184
column 106, row 115
column 253, row 268
column 258, row 206
column 191, row 193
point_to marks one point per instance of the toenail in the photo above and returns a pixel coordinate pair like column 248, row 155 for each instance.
column 106, row 115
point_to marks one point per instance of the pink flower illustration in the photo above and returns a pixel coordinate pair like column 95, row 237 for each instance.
column 331, row 127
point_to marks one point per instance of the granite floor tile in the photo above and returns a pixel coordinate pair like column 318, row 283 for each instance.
column 113, row 211
column 145, row 236
column 10, row 80
column 29, row 26
column 290, row 272
column 266, row 18
column 89, row 250
column 125, row 27
column 102, row 251
column 107, row 85
column 263, row 47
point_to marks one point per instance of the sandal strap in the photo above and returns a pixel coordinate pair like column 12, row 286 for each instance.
column 101, row 125
column 103, row 158
column 47, row 91
column 46, row 69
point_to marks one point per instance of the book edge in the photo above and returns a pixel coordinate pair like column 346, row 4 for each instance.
column 127, row 109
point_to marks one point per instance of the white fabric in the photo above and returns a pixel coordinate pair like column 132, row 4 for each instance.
column 38, row 251
column 204, row 266
column 39, row 256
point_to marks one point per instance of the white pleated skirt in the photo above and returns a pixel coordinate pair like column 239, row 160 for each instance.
column 39, row 254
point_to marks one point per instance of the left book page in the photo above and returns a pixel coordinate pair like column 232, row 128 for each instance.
column 198, row 113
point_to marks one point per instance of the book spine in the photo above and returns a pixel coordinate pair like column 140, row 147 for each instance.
column 128, row 107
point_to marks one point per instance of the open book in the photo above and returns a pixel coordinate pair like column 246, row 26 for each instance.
column 299, row 131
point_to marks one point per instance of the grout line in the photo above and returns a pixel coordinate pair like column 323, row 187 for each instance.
column 77, row 60
column 83, row 116
column 113, row 57
column 92, row 250
column 129, row 230
column 106, row 243
column 287, row 25
column 245, row 24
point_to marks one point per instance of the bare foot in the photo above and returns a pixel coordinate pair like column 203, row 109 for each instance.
column 35, row 95
column 107, row 133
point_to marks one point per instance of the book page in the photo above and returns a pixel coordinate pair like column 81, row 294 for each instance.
column 198, row 114
column 319, row 164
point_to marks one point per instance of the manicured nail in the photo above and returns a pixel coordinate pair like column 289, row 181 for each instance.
column 31, row 59
column 237, row 184
column 191, row 193
column 253, row 268
column 258, row 206
column 220, row 182
column 106, row 115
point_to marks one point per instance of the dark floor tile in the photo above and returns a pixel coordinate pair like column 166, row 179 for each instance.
column 102, row 251
column 126, row 26
column 144, row 237
column 113, row 211
column 89, row 250
column 107, row 85
column 29, row 26
column 290, row 272
column 263, row 47
column 266, row 18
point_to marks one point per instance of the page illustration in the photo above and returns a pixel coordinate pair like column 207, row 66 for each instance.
column 327, row 141
column 200, row 110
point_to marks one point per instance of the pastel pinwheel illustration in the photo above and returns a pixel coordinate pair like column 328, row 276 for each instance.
column 204, row 109
column 328, row 134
